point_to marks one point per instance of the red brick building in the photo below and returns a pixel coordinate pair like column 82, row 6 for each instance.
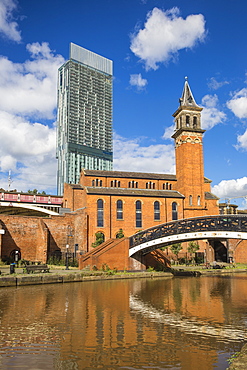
column 133, row 201
column 106, row 202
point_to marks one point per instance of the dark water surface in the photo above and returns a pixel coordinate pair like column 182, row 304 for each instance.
column 179, row 323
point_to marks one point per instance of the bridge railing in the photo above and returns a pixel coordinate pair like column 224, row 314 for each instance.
column 190, row 225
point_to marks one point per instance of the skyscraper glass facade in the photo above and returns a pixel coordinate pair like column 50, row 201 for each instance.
column 84, row 121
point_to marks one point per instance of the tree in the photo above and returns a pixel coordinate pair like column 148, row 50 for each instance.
column 192, row 248
column 100, row 238
column 34, row 191
column 176, row 248
column 120, row 234
column 165, row 248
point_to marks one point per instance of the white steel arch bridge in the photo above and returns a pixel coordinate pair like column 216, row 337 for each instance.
column 205, row 227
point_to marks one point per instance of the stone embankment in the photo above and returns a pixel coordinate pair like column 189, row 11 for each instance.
column 68, row 276
column 240, row 362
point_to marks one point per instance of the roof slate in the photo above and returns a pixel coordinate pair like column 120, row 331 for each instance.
column 132, row 175
column 210, row 196
column 134, row 192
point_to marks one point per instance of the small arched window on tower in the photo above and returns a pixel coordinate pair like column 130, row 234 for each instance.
column 187, row 121
column 156, row 210
column 198, row 200
column 100, row 213
column 190, row 200
column 174, row 211
column 194, row 122
column 138, row 213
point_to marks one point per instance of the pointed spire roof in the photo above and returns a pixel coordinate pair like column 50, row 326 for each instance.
column 187, row 99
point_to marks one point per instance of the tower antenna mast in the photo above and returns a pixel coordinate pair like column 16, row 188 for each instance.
column 9, row 180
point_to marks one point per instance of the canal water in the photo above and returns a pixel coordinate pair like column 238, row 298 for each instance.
column 181, row 323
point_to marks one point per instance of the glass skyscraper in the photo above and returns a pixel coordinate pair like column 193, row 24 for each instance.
column 84, row 118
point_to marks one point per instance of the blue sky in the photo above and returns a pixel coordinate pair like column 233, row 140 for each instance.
column 154, row 44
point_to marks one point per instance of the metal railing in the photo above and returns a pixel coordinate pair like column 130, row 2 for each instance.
column 183, row 226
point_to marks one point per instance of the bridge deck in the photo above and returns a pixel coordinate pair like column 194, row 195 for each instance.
column 223, row 226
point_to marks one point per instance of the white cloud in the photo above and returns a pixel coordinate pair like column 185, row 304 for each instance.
column 238, row 103
column 211, row 115
column 130, row 155
column 29, row 88
column 29, row 151
column 215, row 85
column 28, row 93
column 8, row 27
column 242, row 141
column 231, row 188
column 169, row 131
column 164, row 34
column 138, row 81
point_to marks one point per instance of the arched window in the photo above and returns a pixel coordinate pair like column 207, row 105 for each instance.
column 187, row 121
column 100, row 213
column 133, row 184
column 194, row 122
column 115, row 184
column 93, row 183
column 150, row 185
column 174, row 211
column 119, row 209
column 138, row 213
column 198, row 200
column 190, row 200
column 156, row 210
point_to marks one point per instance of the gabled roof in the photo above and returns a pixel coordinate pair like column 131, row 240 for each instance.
column 133, row 192
column 187, row 99
column 131, row 175
column 210, row 196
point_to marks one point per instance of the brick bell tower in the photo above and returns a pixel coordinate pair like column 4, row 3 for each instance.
column 189, row 153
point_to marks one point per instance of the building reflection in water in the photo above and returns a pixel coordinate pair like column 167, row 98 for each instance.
column 179, row 323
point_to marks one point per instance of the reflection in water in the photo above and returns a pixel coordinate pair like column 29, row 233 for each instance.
column 179, row 323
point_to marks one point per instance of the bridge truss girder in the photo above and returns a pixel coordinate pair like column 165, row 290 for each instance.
column 209, row 227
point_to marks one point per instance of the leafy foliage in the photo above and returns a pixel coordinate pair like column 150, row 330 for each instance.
column 99, row 239
column 35, row 191
column 120, row 234
column 193, row 247
column 176, row 248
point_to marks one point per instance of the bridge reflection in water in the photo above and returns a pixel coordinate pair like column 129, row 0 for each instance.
column 207, row 227
column 177, row 323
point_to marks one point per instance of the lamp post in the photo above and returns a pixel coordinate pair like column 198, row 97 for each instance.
column 16, row 258
column 67, row 257
column 69, row 235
